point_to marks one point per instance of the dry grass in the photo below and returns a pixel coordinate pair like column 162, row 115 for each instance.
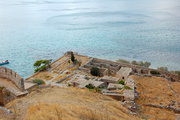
column 64, row 112
column 69, row 104
column 44, row 76
column 156, row 90
column 83, row 59
column 59, row 77
column 158, row 114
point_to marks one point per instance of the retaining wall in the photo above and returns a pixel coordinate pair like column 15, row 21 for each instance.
column 12, row 76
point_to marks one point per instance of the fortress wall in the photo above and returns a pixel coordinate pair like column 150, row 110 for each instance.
column 13, row 76
column 113, row 64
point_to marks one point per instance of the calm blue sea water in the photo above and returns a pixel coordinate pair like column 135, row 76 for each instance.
column 130, row 29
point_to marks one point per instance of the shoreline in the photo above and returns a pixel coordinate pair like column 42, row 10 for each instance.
column 31, row 71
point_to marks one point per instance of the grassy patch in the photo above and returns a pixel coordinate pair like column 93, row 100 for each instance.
column 38, row 81
column 127, row 87
column 121, row 82
column 176, row 72
column 93, row 88
column 122, row 61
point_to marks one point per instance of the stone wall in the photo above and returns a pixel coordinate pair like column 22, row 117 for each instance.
column 12, row 76
column 106, row 67
column 6, row 96
column 1, row 97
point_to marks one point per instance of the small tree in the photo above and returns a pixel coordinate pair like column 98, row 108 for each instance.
column 42, row 65
column 95, row 71
column 72, row 57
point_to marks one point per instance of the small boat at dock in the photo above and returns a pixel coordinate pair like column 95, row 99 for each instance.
column 4, row 62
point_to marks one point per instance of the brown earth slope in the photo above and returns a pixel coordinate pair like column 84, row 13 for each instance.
column 68, row 104
column 158, row 92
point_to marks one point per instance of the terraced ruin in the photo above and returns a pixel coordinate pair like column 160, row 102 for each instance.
column 136, row 88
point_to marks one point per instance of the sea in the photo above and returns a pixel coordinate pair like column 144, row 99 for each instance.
column 142, row 30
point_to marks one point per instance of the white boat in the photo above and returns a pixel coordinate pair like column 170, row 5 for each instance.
column 4, row 62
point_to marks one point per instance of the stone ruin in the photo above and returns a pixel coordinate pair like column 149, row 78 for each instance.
column 111, row 68
column 13, row 77
column 7, row 92
column 106, row 67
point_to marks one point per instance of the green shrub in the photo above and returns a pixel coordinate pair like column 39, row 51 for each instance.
column 1, row 88
column 95, row 71
column 98, row 89
column 90, row 86
column 141, row 63
column 163, row 69
column 121, row 82
column 176, row 72
column 145, row 64
column 127, row 87
column 123, row 61
column 154, row 72
column 134, row 62
column 38, row 81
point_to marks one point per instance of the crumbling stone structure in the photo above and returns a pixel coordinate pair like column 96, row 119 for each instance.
column 5, row 96
column 106, row 67
column 110, row 68
column 13, row 77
